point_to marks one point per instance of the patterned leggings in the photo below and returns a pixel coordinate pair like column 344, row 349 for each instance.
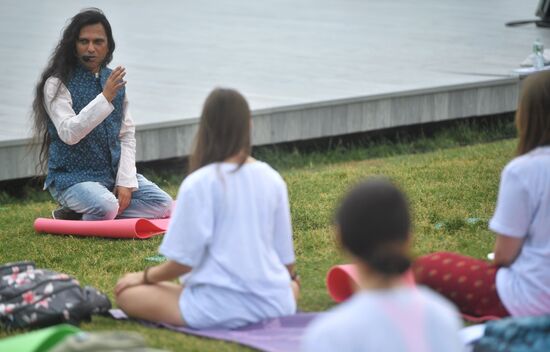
column 468, row 282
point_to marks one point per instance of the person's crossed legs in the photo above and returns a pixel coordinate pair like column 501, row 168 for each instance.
column 136, row 302
column 95, row 202
column 468, row 282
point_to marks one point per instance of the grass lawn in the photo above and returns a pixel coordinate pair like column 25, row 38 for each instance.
column 452, row 189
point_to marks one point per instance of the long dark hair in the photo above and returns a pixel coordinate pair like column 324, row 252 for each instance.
column 533, row 113
column 375, row 225
column 224, row 129
column 61, row 65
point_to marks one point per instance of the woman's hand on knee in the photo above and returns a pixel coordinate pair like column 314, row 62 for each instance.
column 129, row 280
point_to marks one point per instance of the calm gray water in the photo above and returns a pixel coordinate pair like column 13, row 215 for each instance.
column 277, row 52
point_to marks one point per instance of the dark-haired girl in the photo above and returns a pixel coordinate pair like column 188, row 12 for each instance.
column 230, row 231
column 517, row 283
column 373, row 227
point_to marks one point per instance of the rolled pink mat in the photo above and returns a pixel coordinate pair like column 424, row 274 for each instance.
column 343, row 279
column 479, row 319
column 119, row 228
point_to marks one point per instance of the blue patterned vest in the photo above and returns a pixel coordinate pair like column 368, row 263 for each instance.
column 96, row 156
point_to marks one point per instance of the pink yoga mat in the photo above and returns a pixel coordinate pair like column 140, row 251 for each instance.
column 282, row 334
column 119, row 228
column 342, row 279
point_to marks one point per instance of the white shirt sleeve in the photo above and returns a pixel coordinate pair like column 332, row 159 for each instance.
column 513, row 211
column 126, row 175
column 191, row 226
column 283, row 229
column 72, row 127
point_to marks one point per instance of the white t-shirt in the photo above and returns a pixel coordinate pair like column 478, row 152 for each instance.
column 233, row 228
column 523, row 211
column 400, row 319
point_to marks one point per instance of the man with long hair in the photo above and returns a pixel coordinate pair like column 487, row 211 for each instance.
column 87, row 134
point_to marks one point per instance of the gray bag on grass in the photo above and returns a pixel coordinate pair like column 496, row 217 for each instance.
column 34, row 298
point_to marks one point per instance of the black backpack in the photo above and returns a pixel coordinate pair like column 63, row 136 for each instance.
column 33, row 298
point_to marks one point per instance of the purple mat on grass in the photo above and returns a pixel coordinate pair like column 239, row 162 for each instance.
column 275, row 335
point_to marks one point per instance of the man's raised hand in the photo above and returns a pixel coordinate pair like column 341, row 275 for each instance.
column 114, row 83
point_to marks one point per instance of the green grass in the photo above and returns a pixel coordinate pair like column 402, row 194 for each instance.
column 447, row 179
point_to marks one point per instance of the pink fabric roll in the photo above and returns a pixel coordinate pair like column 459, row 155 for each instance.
column 118, row 228
column 342, row 281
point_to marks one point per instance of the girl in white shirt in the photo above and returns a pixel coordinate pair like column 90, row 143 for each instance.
column 517, row 283
column 230, row 231
column 373, row 225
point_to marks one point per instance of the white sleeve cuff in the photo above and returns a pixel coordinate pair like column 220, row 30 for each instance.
column 504, row 230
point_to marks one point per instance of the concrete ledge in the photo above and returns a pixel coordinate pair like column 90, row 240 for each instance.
column 312, row 120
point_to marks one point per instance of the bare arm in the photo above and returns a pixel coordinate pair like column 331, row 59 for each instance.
column 296, row 283
column 166, row 271
column 506, row 250
column 291, row 269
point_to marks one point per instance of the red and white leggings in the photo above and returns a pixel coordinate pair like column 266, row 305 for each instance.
column 468, row 282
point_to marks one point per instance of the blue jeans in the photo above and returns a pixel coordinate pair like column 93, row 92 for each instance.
column 95, row 202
